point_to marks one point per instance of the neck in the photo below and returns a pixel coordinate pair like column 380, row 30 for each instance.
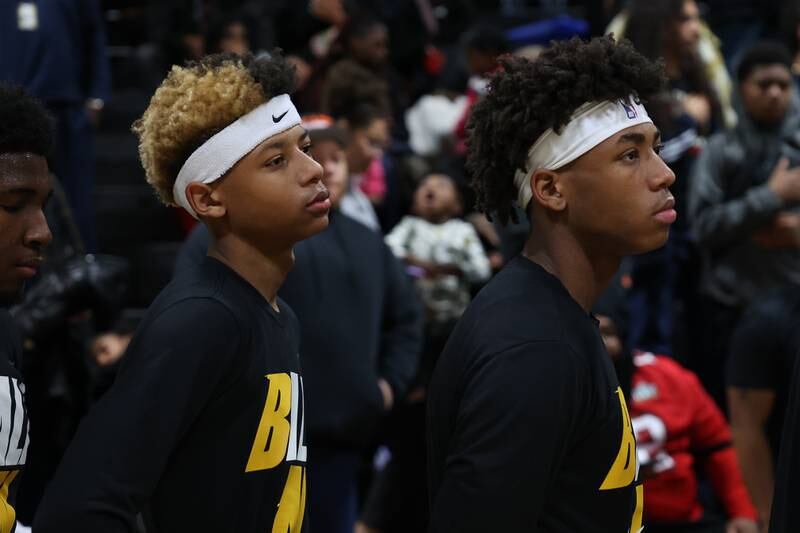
column 583, row 274
column 265, row 271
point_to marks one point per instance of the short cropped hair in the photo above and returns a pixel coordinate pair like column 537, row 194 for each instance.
column 25, row 125
column 761, row 55
column 197, row 101
column 527, row 97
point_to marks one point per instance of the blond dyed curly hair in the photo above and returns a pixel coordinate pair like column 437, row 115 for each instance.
column 196, row 101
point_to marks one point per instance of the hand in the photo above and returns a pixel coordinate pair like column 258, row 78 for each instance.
column 386, row 392
column 698, row 107
column 741, row 525
column 785, row 181
column 330, row 11
column 782, row 234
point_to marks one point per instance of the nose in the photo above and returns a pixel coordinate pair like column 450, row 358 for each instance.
column 662, row 176
column 38, row 234
column 774, row 91
column 312, row 171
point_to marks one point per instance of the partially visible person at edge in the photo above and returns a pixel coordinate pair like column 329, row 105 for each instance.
column 528, row 426
column 26, row 139
column 203, row 428
column 682, row 438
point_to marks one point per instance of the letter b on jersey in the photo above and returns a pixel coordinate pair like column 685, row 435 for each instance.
column 277, row 438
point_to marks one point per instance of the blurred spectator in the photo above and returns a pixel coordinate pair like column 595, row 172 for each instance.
column 57, row 50
column 674, row 31
column 790, row 29
column 763, row 353
column 230, row 35
column 744, row 190
column 678, row 430
column 664, row 281
column 361, row 331
column 482, row 45
column 25, row 142
column 358, row 101
column 445, row 256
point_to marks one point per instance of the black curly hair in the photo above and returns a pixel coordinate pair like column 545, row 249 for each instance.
column 25, row 125
column 526, row 98
column 271, row 70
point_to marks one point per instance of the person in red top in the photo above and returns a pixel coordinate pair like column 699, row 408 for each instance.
column 679, row 432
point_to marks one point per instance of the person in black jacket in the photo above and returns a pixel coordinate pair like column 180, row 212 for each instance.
column 528, row 429
column 25, row 141
column 361, row 327
column 203, row 429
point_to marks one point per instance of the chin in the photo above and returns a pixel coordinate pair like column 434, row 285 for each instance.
column 653, row 242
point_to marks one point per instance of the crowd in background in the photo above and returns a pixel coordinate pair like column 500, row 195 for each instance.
column 703, row 331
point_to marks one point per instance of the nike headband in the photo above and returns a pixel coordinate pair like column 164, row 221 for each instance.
column 217, row 155
column 590, row 124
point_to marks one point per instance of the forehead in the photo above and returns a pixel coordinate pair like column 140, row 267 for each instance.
column 775, row 71
column 23, row 170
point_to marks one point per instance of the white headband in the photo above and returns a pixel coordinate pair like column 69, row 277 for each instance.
column 591, row 124
column 217, row 155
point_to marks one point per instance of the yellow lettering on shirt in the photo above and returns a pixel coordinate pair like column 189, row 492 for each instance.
column 636, row 521
column 291, row 509
column 623, row 471
column 8, row 517
column 272, row 436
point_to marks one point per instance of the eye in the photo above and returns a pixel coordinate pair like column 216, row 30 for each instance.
column 657, row 148
column 631, row 155
column 307, row 148
column 276, row 161
column 16, row 208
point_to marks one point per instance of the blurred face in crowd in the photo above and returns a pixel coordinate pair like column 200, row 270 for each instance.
column 367, row 144
column 234, row 39
column 330, row 154
column 372, row 48
column 686, row 29
column 766, row 93
column 436, row 199
column 24, row 190
column 610, row 335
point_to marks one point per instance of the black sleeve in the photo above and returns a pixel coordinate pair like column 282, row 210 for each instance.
column 756, row 347
column 113, row 465
column 497, row 471
column 785, row 511
column 402, row 329
column 10, row 345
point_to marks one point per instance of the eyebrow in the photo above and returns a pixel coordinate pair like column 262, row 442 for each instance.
column 280, row 145
column 635, row 137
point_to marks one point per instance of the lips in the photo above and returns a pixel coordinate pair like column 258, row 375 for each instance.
column 27, row 268
column 320, row 197
column 668, row 204
column 666, row 213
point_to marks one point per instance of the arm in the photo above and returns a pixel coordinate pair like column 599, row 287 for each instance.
column 398, row 239
column 510, row 437
column 717, row 222
column 402, row 334
column 474, row 264
column 115, row 461
column 750, row 409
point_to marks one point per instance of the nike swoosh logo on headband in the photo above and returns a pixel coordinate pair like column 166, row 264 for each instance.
column 279, row 117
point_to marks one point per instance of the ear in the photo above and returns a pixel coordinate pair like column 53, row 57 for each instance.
column 205, row 200
column 547, row 190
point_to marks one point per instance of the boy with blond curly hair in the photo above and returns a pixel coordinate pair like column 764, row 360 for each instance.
column 203, row 429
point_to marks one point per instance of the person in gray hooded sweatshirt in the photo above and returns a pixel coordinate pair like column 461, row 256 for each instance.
column 743, row 204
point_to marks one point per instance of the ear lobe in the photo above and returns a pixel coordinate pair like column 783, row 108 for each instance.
column 546, row 188
column 205, row 200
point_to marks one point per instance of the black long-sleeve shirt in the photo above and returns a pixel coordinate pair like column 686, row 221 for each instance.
column 360, row 320
column 528, row 428
column 203, row 429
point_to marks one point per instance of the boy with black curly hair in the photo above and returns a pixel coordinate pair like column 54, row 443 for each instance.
column 203, row 429
column 25, row 142
column 528, row 428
